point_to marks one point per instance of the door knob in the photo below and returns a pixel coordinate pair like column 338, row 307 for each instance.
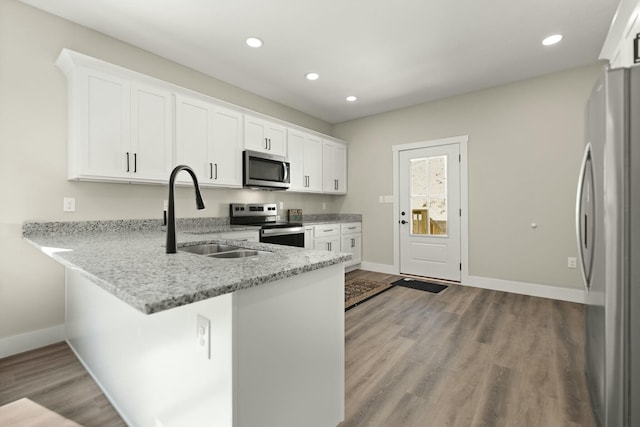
column 402, row 213
column 403, row 222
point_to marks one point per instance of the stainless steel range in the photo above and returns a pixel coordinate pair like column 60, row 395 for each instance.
column 265, row 215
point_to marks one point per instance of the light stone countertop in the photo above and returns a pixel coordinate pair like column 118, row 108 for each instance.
column 133, row 265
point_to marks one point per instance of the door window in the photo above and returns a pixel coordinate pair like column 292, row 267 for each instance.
column 428, row 182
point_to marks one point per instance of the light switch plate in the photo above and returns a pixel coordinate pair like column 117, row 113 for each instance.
column 68, row 204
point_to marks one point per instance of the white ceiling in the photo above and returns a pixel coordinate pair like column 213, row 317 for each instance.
column 390, row 54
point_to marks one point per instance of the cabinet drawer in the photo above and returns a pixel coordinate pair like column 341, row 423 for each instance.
column 351, row 227
column 326, row 230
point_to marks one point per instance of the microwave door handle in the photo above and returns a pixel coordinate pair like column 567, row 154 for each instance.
column 579, row 214
column 286, row 171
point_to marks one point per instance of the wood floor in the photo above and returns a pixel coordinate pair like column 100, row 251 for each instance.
column 464, row 357
column 53, row 377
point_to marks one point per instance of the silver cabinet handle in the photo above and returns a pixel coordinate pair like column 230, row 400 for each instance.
column 351, row 228
column 269, row 143
column 353, row 243
column 216, row 168
column 128, row 169
column 266, row 144
column 210, row 170
column 135, row 162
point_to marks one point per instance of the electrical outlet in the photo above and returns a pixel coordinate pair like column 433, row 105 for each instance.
column 68, row 204
column 571, row 262
column 380, row 199
column 203, row 335
column 281, row 205
column 324, row 206
column 388, row 199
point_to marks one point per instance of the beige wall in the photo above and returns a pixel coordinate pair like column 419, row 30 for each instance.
column 525, row 145
column 33, row 103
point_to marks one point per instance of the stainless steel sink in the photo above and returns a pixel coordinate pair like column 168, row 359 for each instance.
column 208, row 249
column 236, row 254
column 217, row 250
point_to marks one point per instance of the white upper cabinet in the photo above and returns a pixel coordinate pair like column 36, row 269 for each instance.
column 124, row 126
column 208, row 139
column 151, row 136
column 334, row 167
column 118, row 129
column 305, row 156
column 103, row 136
column 264, row 136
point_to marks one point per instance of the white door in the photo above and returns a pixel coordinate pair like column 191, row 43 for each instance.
column 430, row 211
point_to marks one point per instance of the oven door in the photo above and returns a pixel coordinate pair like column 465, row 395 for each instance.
column 290, row 236
column 265, row 170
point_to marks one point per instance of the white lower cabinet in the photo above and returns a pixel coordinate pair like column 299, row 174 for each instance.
column 308, row 237
column 351, row 242
column 338, row 237
column 326, row 237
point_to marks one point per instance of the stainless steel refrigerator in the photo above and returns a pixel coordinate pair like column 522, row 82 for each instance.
column 608, row 233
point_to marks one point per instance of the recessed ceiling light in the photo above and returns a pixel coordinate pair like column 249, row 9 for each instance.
column 254, row 42
column 352, row 98
column 312, row 76
column 552, row 39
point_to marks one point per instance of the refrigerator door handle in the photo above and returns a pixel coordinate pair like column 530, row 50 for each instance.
column 582, row 218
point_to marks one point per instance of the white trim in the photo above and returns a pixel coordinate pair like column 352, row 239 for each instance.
column 30, row 340
column 622, row 20
column 521, row 288
column 378, row 268
column 462, row 141
column 525, row 288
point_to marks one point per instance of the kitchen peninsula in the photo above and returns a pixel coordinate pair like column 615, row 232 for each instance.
column 184, row 339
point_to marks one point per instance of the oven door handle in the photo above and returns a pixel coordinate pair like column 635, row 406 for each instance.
column 282, row 231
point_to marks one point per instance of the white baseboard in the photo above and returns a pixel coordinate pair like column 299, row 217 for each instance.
column 525, row 288
column 378, row 268
column 30, row 340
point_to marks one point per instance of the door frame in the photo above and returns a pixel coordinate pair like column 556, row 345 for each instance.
column 461, row 141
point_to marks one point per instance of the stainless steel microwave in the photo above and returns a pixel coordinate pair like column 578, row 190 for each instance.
column 265, row 171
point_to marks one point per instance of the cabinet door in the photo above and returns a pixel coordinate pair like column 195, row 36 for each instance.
column 313, row 163
column 266, row 137
column 334, row 167
column 308, row 238
column 328, row 244
column 104, row 131
column 193, row 136
column 340, row 159
column 296, row 143
column 225, row 160
column 150, row 158
column 277, row 137
column 352, row 243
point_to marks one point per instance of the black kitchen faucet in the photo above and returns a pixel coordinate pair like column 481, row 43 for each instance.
column 172, row 247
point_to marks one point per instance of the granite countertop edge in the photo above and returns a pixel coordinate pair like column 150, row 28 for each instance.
column 133, row 265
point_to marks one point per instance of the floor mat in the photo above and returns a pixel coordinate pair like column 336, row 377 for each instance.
column 420, row 285
column 357, row 291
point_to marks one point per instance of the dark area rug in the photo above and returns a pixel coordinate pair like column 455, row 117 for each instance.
column 357, row 291
column 420, row 285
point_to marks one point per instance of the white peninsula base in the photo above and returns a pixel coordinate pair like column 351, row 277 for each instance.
column 277, row 354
